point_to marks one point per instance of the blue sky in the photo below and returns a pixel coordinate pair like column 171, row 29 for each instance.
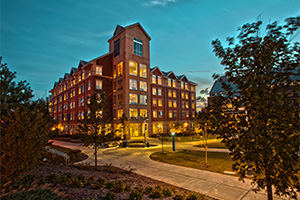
column 42, row 39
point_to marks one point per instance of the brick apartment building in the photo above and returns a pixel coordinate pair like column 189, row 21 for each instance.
column 148, row 96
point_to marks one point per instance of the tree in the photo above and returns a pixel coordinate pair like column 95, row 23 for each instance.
column 124, row 125
column 176, row 127
column 203, row 96
column 259, row 119
column 93, row 130
column 25, row 126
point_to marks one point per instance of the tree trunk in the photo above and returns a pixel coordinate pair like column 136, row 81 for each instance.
column 95, row 154
column 205, row 133
column 269, row 187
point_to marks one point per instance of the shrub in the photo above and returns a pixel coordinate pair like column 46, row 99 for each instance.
column 195, row 196
column 76, row 183
column 136, row 195
column 118, row 186
column 110, row 196
column 65, row 178
column 53, row 178
column 168, row 192
column 100, row 183
column 157, row 192
column 149, row 189
column 26, row 180
column 180, row 196
column 82, row 178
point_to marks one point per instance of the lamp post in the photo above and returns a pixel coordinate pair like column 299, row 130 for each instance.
column 173, row 141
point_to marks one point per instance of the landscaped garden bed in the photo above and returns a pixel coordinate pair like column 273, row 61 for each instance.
column 83, row 182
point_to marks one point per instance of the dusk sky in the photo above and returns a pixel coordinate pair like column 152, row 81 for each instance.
column 41, row 39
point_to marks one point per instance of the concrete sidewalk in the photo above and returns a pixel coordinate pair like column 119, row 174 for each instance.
column 215, row 185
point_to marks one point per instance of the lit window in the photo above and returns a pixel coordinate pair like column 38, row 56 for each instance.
column 175, row 104
column 99, row 84
column 115, row 72
column 186, row 95
column 143, row 86
column 144, row 113
column 187, row 104
column 133, row 68
column 132, row 84
column 169, row 82
column 182, row 95
column 159, row 102
column 143, row 99
column 82, row 74
column 120, row 69
column 159, row 80
column 174, row 83
column 154, row 91
column 182, row 85
column 187, row 114
column 89, row 85
column 193, row 96
column 169, row 93
column 192, row 88
column 98, row 70
column 154, row 102
column 133, row 113
column 186, row 86
column 174, row 94
column 79, row 90
column 170, row 114
column 193, row 106
column 120, row 113
column 137, row 47
column 154, row 79
column 117, row 47
column 154, row 114
column 170, row 103
column 89, row 72
column 159, row 91
column 143, row 71
column 133, row 98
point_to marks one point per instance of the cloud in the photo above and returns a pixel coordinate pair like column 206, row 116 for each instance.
column 199, row 71
column 158, row 2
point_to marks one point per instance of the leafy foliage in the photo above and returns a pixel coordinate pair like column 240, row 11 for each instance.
column 258, row 118
column 25, row 126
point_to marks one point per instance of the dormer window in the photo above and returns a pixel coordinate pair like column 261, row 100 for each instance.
column 137, row 47
column 117, row 47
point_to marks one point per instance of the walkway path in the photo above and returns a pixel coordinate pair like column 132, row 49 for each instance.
column 216, row 185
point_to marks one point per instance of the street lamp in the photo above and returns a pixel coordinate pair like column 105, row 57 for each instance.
column 173, row 141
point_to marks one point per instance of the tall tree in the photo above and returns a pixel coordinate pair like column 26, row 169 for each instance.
column 25, row 126
column 258, row 119
column 93, row 129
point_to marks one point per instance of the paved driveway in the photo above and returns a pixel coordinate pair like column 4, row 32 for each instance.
column 216, row 185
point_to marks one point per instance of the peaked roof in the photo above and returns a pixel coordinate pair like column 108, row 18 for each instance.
column 120, row 29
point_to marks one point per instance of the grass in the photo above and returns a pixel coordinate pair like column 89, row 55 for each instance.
column 217, row 161
column 212, row 144
column 187, row 138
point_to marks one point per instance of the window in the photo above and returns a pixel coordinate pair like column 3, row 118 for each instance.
column 170, row 103
column 143, row 71
column 169, row 82
column 120, row 99
column 98, row 70
column 120, row 69
column 182, row 95
column 133, row 68
column 170, row 114
column 115, row 100
column 159, row 80
column 143, row 86
column 154, row 114
column 115, row 72
column 89, row 72
column 193, row 106
column 160, row 113
column 120, row 113
column 120, row 85
column 137, row 47
column 174, row 114
column 159, row 91
column 174, row 94
column 154, row 79
column 144, row 113
column 186, row 96
column 169, row 93
column 182, row 85
column 183, row 114
column 193, row 96
column 99, row 84
column 187, row 114
column 82, row 74
column 133, row 98
column 154, row 102
column 174, row 104
column 143, row 99
column 159, row 102
column 89, row 85
column 186, row 85
column 187, row 104
column 154, row 91
column 117, row 47
column 133, row 113
column 174, row 83
column 79, row 90
column 132, row 84
column 192, row 88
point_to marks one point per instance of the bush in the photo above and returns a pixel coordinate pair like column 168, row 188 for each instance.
column 65, row 178
column 167, row 192
column 32, row 194
column 110, row 196
column 77, row 183
column 157, row 192
column 118, row 186
column 195, row 196
column 136, row 195
column 53, row 178
column 100, row 183
column 26, row 180
column 180, row 196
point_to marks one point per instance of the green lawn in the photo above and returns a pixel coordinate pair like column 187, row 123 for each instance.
column 217, row 161
column 212, row 144
column 187, row 138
